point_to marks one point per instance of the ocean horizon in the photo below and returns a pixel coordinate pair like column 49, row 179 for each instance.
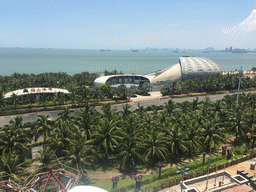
column 72, row 61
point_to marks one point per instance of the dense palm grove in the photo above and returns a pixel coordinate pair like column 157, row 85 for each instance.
column 208, row 84
column 78, row 85
column 58, row 80
column 129, row 140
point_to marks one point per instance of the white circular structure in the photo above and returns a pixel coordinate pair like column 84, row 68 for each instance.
column 35, row 90
column 116, row 80
column 86, row 189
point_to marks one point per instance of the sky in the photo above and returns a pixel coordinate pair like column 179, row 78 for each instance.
column 128, row 24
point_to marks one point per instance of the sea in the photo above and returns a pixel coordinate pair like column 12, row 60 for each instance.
column 72, row 61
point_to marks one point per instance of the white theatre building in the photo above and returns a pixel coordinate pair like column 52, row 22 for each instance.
column 187, row 68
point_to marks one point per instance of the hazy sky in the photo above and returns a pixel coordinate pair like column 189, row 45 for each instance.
column 126, row 24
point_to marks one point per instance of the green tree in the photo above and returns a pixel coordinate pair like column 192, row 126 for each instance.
column 2, row 100
column 107, row 135
column 10, row 164
column 13, row 137
column 43, row 127
column 61, row 136
column 131, row 146
column 86, row 120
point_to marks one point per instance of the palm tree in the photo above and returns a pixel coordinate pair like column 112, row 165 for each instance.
column 2, row 100
column 205, row 106
column 107, row 112
column 96, row 93
column 13, row 137
column 236, row 121
column 251, row 97
column 83, row 94
column 43, row 99
column 131, row 146
column 176, row 137
column 81, row 154
column 193, row 137
column 86, row 120
column 184, row 106
column 170, row 107
column 107, row 136
column 14, row 100
column 43, row 127
column 195, row 105
column 156, row 150
column 45, row 156
column 10, row 164
column 61, row 137
column 66, row 114
column 211, row 131
column 126, row 111
column 249, row 118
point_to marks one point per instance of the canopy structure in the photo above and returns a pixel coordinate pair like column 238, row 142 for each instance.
column 35, row 90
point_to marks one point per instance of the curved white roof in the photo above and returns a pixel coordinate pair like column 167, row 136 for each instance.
column 36, row 90
column 197, row 65
column 103, row 79
column 172, row 73
column 86, row 189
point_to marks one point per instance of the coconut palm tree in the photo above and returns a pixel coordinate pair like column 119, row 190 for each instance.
column 126, row 111
column 14, row 100
column 211, row 131
column 131, row 146
column 10, row 164
column 185, row 107
column 155, row 145
column 194, row 137
column 43, row 99
column 107, row 136
column 176, row 137
column 170, row 107
column 2, row 100
column 65, row 114
column 61, row 136
column 43, row 127
column 86, row 120
column 13, row 137
column 45, row 157
column 107, row 112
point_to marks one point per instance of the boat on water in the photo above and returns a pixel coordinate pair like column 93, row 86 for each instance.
column 135, row 51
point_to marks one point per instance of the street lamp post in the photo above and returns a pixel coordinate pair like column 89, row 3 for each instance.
column 209, row 161
column 184, row 173
column 160, row 166
column 204, row 153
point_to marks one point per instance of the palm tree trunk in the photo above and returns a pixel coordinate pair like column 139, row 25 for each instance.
column 106, row 154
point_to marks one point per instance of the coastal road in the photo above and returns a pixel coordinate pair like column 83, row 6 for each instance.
column 31, row 117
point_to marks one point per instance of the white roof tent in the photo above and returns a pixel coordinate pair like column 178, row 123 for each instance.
column 192, row 67
column 116, row 80
column 187, row 68
column 34, row 90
